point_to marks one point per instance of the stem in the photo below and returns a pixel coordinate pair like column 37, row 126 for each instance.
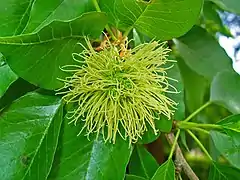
column 180, row 158
column 200, row 144
column 197, row 111
column 110, row 32
column 96, row 5
column 127, row 31
column 179, row 177
column 174, row 145
column 95, row 2
column 190, row 125
column 200, row 130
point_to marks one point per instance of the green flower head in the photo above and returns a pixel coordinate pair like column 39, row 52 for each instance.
column 119, row 94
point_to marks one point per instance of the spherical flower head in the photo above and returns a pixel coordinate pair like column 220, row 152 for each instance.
column 119, row 93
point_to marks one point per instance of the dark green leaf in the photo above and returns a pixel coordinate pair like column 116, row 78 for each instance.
column 157, row 18
column 142, row 163
column 165, row 172
column 225, row 90
column 7, row 77
column 29, row 131
column 223, row 172
column 184, row 140
column 80, row 158
column 228, row 146
column 195, row 86
column 149, row 136
column 37, row 57
column 2, row 62
column 17, row 89
column 228, row 5
column 212, row 20
column 174, row 73
column 133, row 177
column 202, row 53
column 162, row 124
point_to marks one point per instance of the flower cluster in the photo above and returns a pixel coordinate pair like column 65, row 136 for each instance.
column 119, row 94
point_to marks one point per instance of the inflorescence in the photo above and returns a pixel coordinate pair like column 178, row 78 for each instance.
column 117, row 93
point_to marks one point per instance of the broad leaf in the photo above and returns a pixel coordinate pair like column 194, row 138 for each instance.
column 2, row 61
column 231, row 122
column 231, row 126
column 165, row 172
column 19, row 17
column 17, row 89
column 142, row 163
column 80, row 158
column 202, row 53
column 184, row 140
column 12, row 14
column 228, row 5
column 133, row 177
column 162, row 123
column 223, row 172
column 174, row 73
column 7, row 77
column 38, row 57
column 43, row 13
column 212, row 20
column 149, row 136
column 195, row 86
column 228, row 146
column 225, row 90
column 157, row 18
column 29, row 131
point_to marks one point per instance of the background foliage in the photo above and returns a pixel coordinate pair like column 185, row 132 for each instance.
column 38, row 37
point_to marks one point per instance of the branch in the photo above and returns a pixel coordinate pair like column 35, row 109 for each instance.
column 180, row 158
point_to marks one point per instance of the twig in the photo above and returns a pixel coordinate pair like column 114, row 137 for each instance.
column 180, row 158
column 197, row 111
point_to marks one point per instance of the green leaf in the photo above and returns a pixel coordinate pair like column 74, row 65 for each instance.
column 228, row 5
column 149, row 136
column 19, row 17
column 12, row 14
column 17, row 89
column 158, row 18
column 223, row 172
column 80, row 158
column 162, row 124
column 184, row 140
column 202, row 53
column 142, row 163
column 231, row 122
column 29, row 131
column 212, row 20
column 231, row 126
column 228, row 146
column 195, row 86
column 7, row 77
column 2, row 62
column 133, row 177
column 37, row 57
column 174, row 73
column 43, row 13
column 165, row 172
column 225, row 90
